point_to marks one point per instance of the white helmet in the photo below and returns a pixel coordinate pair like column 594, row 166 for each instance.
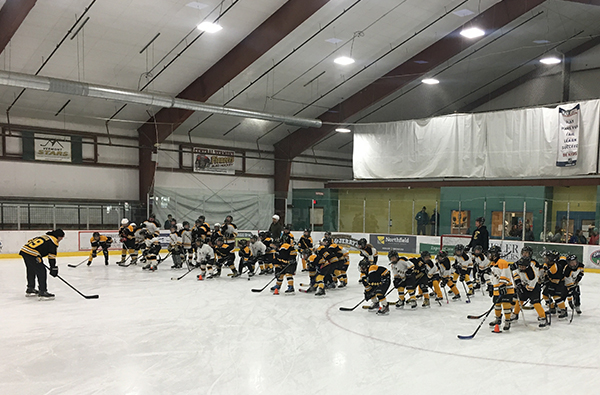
column 179, row 227
column 124, row 221
column 217, row 225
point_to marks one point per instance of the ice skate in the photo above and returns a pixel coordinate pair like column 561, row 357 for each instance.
column 384, row 310
column 274, row 287
column 30, row 292
column 456, row 298
column 235, row 274
column 320, row 292
column 342, row 285
column 506, row 326
column 542, row 322
column 46, row 295
column 496, row 321
column 289, row 290
column 374, row 307
column 578, row 309
column 562, row 314
column 514, row 317
column 400, row 305
column 426, row 303
column 412, row 303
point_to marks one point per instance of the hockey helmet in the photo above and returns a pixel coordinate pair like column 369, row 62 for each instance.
column 442, row 254
column 459, row 248
column 243, row 243
column 425, row 254
column 524, row 263
column 551, row 255
column 327, row 234
column 495, row 253
column 217, row 225
column 253, row 238
column 362, row 243
column 393, row 254
column 528, row 250
column 307, row 231
column 288, row 227
column 276, row 243
column 124, row 221
column 219, row 239
column 326, row 241
column 201, row 218
column 363, row 265
column 186, row 224
column 306, row 253
column 133, row 225
column 179, row 227
column 96, row 235
column 478, row 250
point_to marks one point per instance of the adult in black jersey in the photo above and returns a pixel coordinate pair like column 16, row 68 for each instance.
column 32, row 253
column 480, row 237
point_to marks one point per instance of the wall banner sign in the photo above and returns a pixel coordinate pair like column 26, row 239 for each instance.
column 52, row 148
column 208, row 160
column 394, row 242
column 568, row 136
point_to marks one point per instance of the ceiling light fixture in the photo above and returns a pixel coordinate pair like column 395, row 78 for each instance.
column 430, row 81
column 342, row 130
column 209, row 27
column 472, row 32
column 344, row 60
column 550, row 60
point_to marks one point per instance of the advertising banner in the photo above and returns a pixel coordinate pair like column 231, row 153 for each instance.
column 207, row 160
column 52, row 148
column 568, row 136
column 394, row 242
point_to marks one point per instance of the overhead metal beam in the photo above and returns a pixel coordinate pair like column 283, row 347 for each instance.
column 590, row 2
column 533, row 74
column 490, row 20
column 281, row 23
column 12, row 15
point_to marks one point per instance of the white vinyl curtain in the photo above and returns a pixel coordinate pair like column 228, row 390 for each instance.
column 503, row 144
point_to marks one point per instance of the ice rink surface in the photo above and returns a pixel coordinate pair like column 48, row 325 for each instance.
column 147, row 334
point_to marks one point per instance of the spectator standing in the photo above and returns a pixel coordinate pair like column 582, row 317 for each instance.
column 557, row 238
column 422, row 219
column 580, row 237
column 276, row 227
column 593, row 237
column 167, row 224
column 529, row 236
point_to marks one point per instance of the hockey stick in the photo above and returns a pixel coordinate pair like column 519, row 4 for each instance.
column 446, row 294
column 352, row 308
column 163, row 259
column 468, row 337
column 184, row 274
column 80, row 263
column 72, row 287
column 269, row 283
column 572, row 306
column 123, row 264
column 466, row 292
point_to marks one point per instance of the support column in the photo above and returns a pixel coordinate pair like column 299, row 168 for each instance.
column 283, row 171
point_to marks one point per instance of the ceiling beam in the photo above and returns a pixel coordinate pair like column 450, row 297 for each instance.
column 590, row 2
column 12, row 14
column 275, row 28
column 538, row 72
column 436, row 54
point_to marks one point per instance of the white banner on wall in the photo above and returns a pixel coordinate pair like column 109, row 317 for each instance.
column 568, row 136
column 52, row 148
column 208, row 160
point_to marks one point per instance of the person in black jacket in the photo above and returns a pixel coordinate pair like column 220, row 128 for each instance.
column 480, row 237
column 32, row 253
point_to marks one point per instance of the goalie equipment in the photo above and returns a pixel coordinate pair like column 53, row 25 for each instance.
column 362, row 243
column 124, row 221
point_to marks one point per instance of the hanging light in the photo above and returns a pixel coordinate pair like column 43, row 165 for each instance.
column 343, row 130
column 430, row 81
column 209, row 27
column 344, row 60
column 472, row 32
column 550, row 60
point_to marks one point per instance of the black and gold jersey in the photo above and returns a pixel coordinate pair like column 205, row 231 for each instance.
column 245, row 253
column 287, row 253
column 305, row 243
column 42, row 246
column 226, row 250
column 101, row 242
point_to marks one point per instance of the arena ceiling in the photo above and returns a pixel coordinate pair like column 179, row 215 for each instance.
column 281, row 60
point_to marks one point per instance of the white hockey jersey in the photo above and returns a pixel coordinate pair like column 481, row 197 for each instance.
column 400, row 268
column 174, row 240
column 205, row 254
column 186, row 238
column 258, row 248
column 529, row 277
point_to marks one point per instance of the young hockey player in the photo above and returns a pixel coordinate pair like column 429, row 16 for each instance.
column 326, row 262
column 99, row 241
column 285, row 266
column 573, row 275
column 225, row 257
column 504, row 291
column 215, row 234
column 246, row 258
column 205, row 256
column 482, row 263
column 123, row 240
column 404, row 278
column 229, row 230
column 554, row 291
column 186, row 243
column 376, row 280
column 152, row 225
column 339, row 258
column 305, row 243
column 287, row 236
column 528, row 288
column 447, row 274
column 129, row 243
column 32, row 253
column 151, row 250
column 311, row 264
column 422, row 280
column 367, row 251
column 433, row 275
column 462, row 266
column 270, row 256
column 258, row 250
column 201, row 229
column 175, row 247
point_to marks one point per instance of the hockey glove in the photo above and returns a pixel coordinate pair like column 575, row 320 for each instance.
column 397, row 282
column 54, row 271
column 521, row 288
column 490, row 289
column 462, row 278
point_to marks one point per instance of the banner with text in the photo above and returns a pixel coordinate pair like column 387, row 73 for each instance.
column 52, row 148
column 208, row 160
column 568, row 136
column 394, row 242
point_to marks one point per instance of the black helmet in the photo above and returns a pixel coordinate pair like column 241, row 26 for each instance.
column 393, row 254
column 326, row 241
column 425, row 254
column 243, row 242
column 442, row 254
column 571, row 257
column 219, row 239
column 524, row 262
column 96, row 235
column 495, row 252
column 307, row 231
column 327, row 234
column 185, row 223
column 287, row 227
column 362, row 243
column 306, row 252
column 477, row 250
column 527, row 249
column 364, row 265
column 276, row 242
column 552, row 255
column 253, row 238
column 268, row 235
column 459, row 247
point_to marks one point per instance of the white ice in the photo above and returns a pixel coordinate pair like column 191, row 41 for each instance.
column 147, row 334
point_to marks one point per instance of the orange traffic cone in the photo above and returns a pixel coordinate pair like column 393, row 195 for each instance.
column 200, row 277
column 497, row 328
column 276, row 292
